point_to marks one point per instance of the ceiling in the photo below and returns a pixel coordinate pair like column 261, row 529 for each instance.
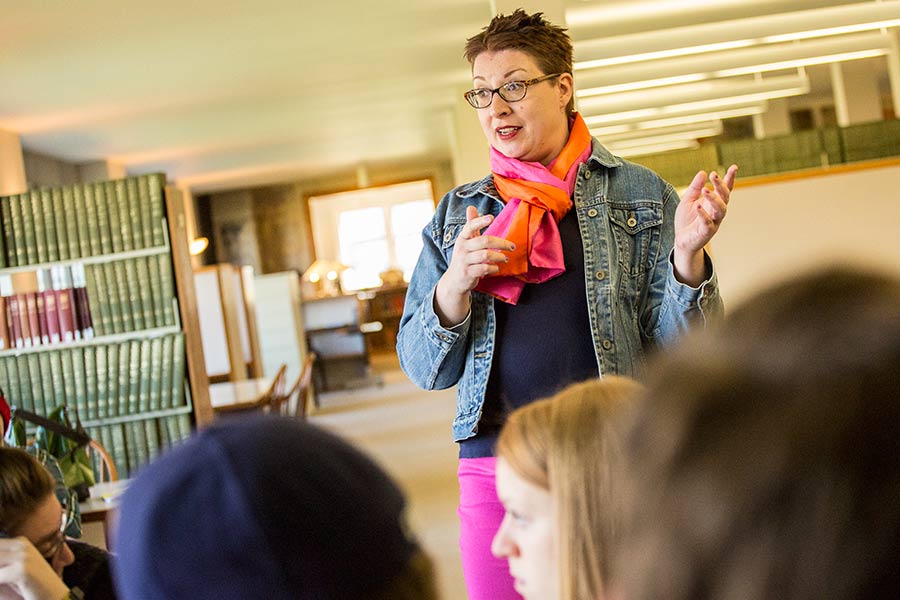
column 224, row 94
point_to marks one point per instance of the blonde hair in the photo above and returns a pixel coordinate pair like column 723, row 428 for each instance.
column 566, row 444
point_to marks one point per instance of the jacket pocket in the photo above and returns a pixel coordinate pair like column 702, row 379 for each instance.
column 636, row 230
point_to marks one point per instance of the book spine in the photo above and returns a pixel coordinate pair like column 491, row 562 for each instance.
column 143, row 184
column 82, row 303
column 117, row 238
column 137, row 444
column 26, row 390
column 69, row 218
column 119, row 449
column 12, row 388
column 157, row 208
column 14, row 319
column 124, row 289
column 4, row 328
column 35, row 232
column 92, row 390
column 81, row 220
column 9, row 238
column 112, row 296
column 95, row 282
column 135, row 308
column 92, row 219
column 104, row 376
column 134, row 212
column 41, row 401
column 34, row 322
column 123, row 394
column 6, row 291
column 153, row 442
column 137, row 400
column 154, row 372
column 165, row 379
column 51, row 310
column 55, row 222
column 64, row 304
column 54, row 373
column 145, row 290
column 156, row 289
column 43, row 325
column 4, row 238
column 125, row 223
column 18, row 226
column 167, row 281
column 178, row 398
column 70, row 391
column 24, row 323
column 102, row 206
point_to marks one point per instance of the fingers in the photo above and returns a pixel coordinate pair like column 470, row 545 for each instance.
column 474, row 224
column 696, row 186
column 714, row 205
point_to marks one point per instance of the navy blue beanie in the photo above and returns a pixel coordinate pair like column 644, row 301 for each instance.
column 260, row 507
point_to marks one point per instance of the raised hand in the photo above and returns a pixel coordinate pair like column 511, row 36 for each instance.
column 474, row 256
column 697, row 219
column 25, row 574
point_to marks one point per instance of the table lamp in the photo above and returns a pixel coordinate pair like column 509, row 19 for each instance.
column 325, row 274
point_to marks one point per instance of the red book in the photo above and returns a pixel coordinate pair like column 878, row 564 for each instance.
column 82, row 304
column 64, row 306
column 45, row 291
column 4, row 330
column 42, row 318
column 24, row 322
column 34, row 322
column 15, row 324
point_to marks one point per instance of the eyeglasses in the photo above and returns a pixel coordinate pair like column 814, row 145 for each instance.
column 51, row 548
column 511, row 91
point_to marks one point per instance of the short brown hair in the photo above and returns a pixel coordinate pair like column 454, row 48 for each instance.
column 24, row 484
column 549, row 45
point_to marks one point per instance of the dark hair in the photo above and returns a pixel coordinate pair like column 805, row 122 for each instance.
column 765, row 462
column 24, row 485
column 549, row 45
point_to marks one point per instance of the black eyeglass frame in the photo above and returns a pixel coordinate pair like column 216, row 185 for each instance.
column 469, row 95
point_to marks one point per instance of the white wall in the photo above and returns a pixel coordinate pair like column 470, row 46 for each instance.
column 775, row 229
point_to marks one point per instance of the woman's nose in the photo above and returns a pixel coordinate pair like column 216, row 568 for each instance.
column 499, row 107
column 502, row 546
column 64, row 557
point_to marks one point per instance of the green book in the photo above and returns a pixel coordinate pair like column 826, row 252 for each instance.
column 69, row 218
column 9, row 252
column 125, row 229
column 143, row 185
column 115, row 222
column 145, row 291
column 135, row 307
column 23, row 383
column 134, row 212
column 79, row 383
column 183, row 422
column 113, row 365
column 155, row 373
column 70, row 391
column 88, row 358
column 4, row 381
column 137, row 444
column 123, row 393
column 102, row 203
column 165, row 372
column 97, row 298
column 167, row 281
column 157, row 207
column 153, row 442
column 57, row 249
column 54, row 372
column 178, row 398
column 80, row 218
column 107, row 379
column 11, row 381
column 111, row 296
column 163, row 431
column 39, row 377
column 30, row 201
column 172, row 431
column 156, row 289
column 102, row 378
column 125, row 289
column 92, row 218
column 143, row 374
column 136, row 376
column 119, row 448
column 18, row 228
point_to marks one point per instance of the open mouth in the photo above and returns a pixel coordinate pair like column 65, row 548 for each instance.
column 507, row 132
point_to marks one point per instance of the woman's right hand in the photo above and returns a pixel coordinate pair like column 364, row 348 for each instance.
column 25, row 574
column 474, row 256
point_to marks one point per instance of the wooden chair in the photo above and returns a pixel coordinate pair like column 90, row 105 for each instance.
column 106, row 468
column 293, row 403
column 263, row 402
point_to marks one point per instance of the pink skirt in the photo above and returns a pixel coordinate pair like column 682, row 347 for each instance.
column 480, row 515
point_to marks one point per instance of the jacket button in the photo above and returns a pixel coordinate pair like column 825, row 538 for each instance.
column 607, row 344
column 448, row 236
column 592, row 212
column 631, row 221
column 600, row 275
column 587, row 173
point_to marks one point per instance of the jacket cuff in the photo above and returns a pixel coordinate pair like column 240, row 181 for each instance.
column 685, row 295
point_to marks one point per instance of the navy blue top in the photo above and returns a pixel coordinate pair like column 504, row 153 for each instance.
column 542, row 344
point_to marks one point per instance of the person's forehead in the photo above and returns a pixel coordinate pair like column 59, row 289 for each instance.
column 45, row 520
column 503, row 62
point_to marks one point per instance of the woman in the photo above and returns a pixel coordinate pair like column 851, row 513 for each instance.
column 593, row 259
column 40, row 563
column 554, row 459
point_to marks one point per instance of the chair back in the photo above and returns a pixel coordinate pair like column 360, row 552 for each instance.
column 105, row 468
column 293, row 402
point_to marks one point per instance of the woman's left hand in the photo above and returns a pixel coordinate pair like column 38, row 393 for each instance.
column 697, row 219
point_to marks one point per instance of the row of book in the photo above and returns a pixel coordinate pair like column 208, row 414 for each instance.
column 131, row 294
column 99, row 382
column 87, row 219
column 135, row 443
column 44, row 307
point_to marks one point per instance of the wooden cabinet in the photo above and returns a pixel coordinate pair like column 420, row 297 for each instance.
column 380, row 311
column 333, row 333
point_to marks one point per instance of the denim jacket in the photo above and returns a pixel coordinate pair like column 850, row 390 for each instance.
column 626, row 216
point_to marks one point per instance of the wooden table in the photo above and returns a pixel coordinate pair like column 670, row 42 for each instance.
column 102, row 505
column 235, row 396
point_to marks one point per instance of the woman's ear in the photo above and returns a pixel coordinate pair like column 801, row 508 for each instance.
column 566, row 89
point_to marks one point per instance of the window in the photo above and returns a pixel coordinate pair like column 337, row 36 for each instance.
column 372, row 230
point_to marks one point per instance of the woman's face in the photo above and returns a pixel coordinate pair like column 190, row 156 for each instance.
column 42, row 528
column 536, row 127
column 527, row 538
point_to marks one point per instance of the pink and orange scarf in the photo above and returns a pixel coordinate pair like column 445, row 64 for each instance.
column 537, row 198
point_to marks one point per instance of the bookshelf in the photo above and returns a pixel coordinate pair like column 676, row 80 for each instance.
column 97, row 310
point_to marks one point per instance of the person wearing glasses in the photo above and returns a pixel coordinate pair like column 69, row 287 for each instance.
column 565, row 263
column 37, row 561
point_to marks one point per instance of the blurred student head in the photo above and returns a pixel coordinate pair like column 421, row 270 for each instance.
column 266, row 507
column 765, row 458
column 554, row 459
